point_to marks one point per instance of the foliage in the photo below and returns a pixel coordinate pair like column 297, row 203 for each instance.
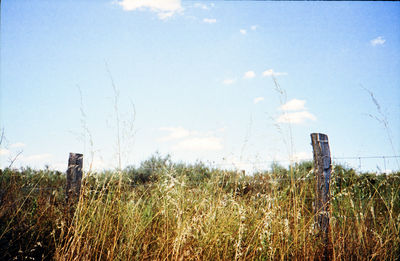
column 31, row 205
column 165, row 210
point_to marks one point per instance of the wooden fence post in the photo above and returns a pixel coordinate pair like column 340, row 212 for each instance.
column 74, row 178
column 322, row 170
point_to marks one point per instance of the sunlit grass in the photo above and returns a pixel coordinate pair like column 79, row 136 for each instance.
column 172, row 214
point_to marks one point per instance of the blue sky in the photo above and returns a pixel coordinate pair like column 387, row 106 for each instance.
column 200, row 77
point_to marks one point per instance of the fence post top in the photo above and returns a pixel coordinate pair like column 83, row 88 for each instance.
column 319, row 134
column 72, row 154
column 319, row 137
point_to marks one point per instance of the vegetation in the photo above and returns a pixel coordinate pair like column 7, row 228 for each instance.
column 163, row 210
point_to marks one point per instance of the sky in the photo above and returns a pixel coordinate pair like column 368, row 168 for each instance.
column 239, row 83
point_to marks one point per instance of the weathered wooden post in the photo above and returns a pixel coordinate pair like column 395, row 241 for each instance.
column 322, row 170
column 74, row 178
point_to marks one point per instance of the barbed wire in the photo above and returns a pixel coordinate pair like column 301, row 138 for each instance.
column 361, row 158
column 254, row 182
column 264, row 163
column 239, row 166
column 366, row 157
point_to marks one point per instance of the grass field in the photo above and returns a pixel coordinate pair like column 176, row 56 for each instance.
column 166, row 211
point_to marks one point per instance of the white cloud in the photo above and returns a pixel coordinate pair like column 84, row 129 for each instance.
column 201, row 6
column 188, row 140
column 298, row 112
column 236, row 163
column 199, row 144
column 253, row 27
column 293, row 105
column 37, row 157
column 4, row 152
column 175, row 133
column 258, row 99
column 229, row 81
column 35, row 160
column 165, row 15
column 243, row 31
column 60, row 166
column 378, row 41
column 97, row 164
column 163, row 8
column 17, row 145
column 249, row 75
column 271, row 72
column 302, row 156
column 296, row 117
column 210, row 20
column 248, row 165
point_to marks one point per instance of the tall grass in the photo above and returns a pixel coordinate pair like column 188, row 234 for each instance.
column 166, row 211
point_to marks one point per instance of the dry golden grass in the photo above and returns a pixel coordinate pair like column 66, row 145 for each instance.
column 227, row 217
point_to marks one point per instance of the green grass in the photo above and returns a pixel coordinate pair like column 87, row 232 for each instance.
column 167, row 211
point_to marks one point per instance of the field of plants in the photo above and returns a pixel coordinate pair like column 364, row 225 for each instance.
column 172, row 211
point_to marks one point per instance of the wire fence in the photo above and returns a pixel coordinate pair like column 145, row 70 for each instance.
column 242, row 167
column 380, row 164
column 261, row 166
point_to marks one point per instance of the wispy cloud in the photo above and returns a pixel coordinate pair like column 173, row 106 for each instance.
column 17, row 145
column 37, row 157
column 258, row 99
column 201, row 6
column 165, row 15
column 229, row 81
column 174, row 133
column 163, row 8
column 295, row 112
column 199, row 144
column 293, row 105
column 98, row 164
column 378, row 41
column 210, row 20
column 271, row 72
column 34, row 160
column 296, row 117
column 249, row 75
column 190, row 140
column 4, row 152
column 249, row 165
column 245, row 31
column 302, row 156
